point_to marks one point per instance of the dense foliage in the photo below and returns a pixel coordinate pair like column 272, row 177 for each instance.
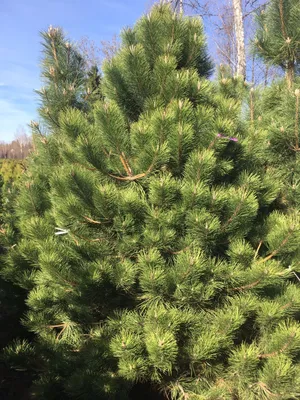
column 277, row 110
column 13, row 384
column 67, row 82
column 278, row 36
column 157, row 243
column 10, row 170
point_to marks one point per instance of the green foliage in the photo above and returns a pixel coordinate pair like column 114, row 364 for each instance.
column 1, row 198
column 63, row 74
column 278, row 34
column 12, row 299
column 155, row 246
column 93, row 84
column 277, row 111
column 234, row 87
column 67, row 83
column 10, row 169
column 161, row 50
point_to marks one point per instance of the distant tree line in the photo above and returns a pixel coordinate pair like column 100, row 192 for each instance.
column 18, row 149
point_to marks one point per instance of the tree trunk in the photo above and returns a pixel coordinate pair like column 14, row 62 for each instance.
column 290, row 74
column 181, row 6
column 253, row 70
column 240, row 38
column 266, row 75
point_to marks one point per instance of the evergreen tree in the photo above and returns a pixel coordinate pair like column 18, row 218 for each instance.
column 277, row 111
column 13, row 384
column 63, row 72
column 277, row 107
column 67, row 85
column 160, row 251
column 278, row 36
column 10, row 169
column 93, row 84
column 67, row 81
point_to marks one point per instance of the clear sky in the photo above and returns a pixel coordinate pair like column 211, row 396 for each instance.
column 20, row 50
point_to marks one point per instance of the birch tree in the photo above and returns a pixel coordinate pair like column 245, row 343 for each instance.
column 200, row 7
column 240, row 38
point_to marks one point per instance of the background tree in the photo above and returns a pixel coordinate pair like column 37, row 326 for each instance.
column 91, row 52
column 277, row 111
column 231, row 30
column 63, row 72
column 224, row 36
column 110, row 47
column 13, row 384
column 18, row 149
column 67, row 76
column 277, row 37
column 93, row 84
column 240, row 38
column 11, row 169
column 200, row 7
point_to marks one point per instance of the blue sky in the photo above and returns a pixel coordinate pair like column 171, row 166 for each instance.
column 20, row 50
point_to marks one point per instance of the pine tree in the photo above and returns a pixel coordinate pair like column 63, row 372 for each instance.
column 277, row 107
column 93, row 84
column 278, row 36
column 67, row 81
column 13, row 384
column 63, row 72
column 162, row 252
column 277, row 111
column 67, row 85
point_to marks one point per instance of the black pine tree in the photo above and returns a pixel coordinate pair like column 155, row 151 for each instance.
column 277, row 36
column 13, row 384
column 159, row 251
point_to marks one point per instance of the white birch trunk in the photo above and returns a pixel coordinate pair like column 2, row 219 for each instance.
column 240, row 38
column 181, row 6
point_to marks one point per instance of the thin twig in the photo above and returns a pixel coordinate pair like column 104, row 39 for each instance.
column 275, row 353
column 258, row 248
column 277, row 250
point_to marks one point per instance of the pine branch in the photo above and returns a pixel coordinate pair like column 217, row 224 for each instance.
column 284, row 242
column 282, row 19
column 138, row 176
column 275, row 353
column 258, row 248
column 235, row 213
column 297, row 93
column 125, row 164
column 249, row 286
column 287, row 305
column 92, row 220
column 182, row 250
column 85, row 167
